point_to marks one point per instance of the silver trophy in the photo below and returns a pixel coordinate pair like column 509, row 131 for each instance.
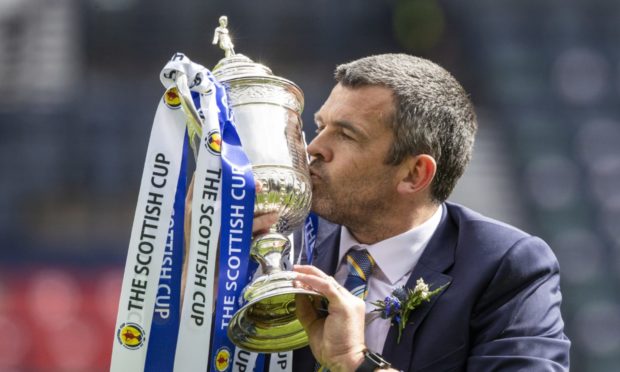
column 267, row 110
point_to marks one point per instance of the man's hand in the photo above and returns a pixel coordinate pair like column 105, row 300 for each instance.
column 263, row 222
column 336, row 341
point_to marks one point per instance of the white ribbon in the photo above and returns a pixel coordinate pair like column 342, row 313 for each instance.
column 148, row 239
column 281, row 362
column 192, row 353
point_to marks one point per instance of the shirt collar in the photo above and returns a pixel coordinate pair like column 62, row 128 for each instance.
column 406, row 247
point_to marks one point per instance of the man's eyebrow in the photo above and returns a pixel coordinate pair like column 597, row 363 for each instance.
column 342, row 124
column 350, row 127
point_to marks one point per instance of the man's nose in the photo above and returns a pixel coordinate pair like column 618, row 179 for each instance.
column 319, row 148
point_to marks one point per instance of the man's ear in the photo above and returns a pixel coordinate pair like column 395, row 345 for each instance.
column 417, row 174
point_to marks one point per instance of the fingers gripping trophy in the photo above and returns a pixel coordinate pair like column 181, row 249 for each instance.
column 267, row 110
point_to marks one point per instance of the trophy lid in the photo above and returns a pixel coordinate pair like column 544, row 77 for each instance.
column 237, row 66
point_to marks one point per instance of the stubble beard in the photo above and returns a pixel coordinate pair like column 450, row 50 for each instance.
column 344, row 205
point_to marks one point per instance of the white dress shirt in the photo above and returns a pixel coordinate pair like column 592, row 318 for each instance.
column 395, row 259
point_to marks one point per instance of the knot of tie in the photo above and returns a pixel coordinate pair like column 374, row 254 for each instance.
column 360, row 264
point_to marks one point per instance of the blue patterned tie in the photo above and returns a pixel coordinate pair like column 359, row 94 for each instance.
column 360, row 265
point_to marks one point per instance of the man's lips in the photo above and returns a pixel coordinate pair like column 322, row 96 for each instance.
column 316, row 171
column 314, row 174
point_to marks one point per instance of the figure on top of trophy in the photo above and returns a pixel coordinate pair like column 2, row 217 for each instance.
column 222, row 36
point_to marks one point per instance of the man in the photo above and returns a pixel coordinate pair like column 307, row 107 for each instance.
column 393, row 138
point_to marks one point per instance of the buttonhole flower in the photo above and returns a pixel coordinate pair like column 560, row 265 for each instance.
column 399, row 305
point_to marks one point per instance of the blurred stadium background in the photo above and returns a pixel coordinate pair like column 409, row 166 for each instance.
column 79, row 86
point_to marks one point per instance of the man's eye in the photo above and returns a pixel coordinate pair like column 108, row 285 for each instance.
column 318, row 130
column 343, row 135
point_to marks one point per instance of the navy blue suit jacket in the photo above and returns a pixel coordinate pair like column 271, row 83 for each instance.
column 500, row 310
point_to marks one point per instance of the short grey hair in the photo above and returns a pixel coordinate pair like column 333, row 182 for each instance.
column 433, row 114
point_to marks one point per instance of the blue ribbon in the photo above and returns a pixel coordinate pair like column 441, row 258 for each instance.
column 260, row 363
column 310, row 230
column 166, row 315
column 238, row 191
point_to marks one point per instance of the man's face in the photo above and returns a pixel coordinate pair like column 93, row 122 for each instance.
column 350, row 180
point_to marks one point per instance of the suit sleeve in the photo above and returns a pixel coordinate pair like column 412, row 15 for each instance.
column 517, row 324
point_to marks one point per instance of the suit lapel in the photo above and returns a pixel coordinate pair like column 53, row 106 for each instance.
column 436, row 259
column 327, row 247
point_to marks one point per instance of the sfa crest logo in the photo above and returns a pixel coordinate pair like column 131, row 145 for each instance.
column 172, row 99
column 131, row 335
column 222, row 359
column 214, row 142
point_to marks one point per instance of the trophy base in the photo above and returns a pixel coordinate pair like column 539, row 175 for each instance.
column 267, row 322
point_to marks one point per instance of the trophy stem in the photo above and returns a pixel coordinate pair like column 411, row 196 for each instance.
column 267, row 322
column 269, row 250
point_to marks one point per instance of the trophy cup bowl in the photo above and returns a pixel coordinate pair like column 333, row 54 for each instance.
column 267, row 110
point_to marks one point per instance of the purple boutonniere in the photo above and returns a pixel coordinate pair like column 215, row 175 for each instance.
column 399, row 305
